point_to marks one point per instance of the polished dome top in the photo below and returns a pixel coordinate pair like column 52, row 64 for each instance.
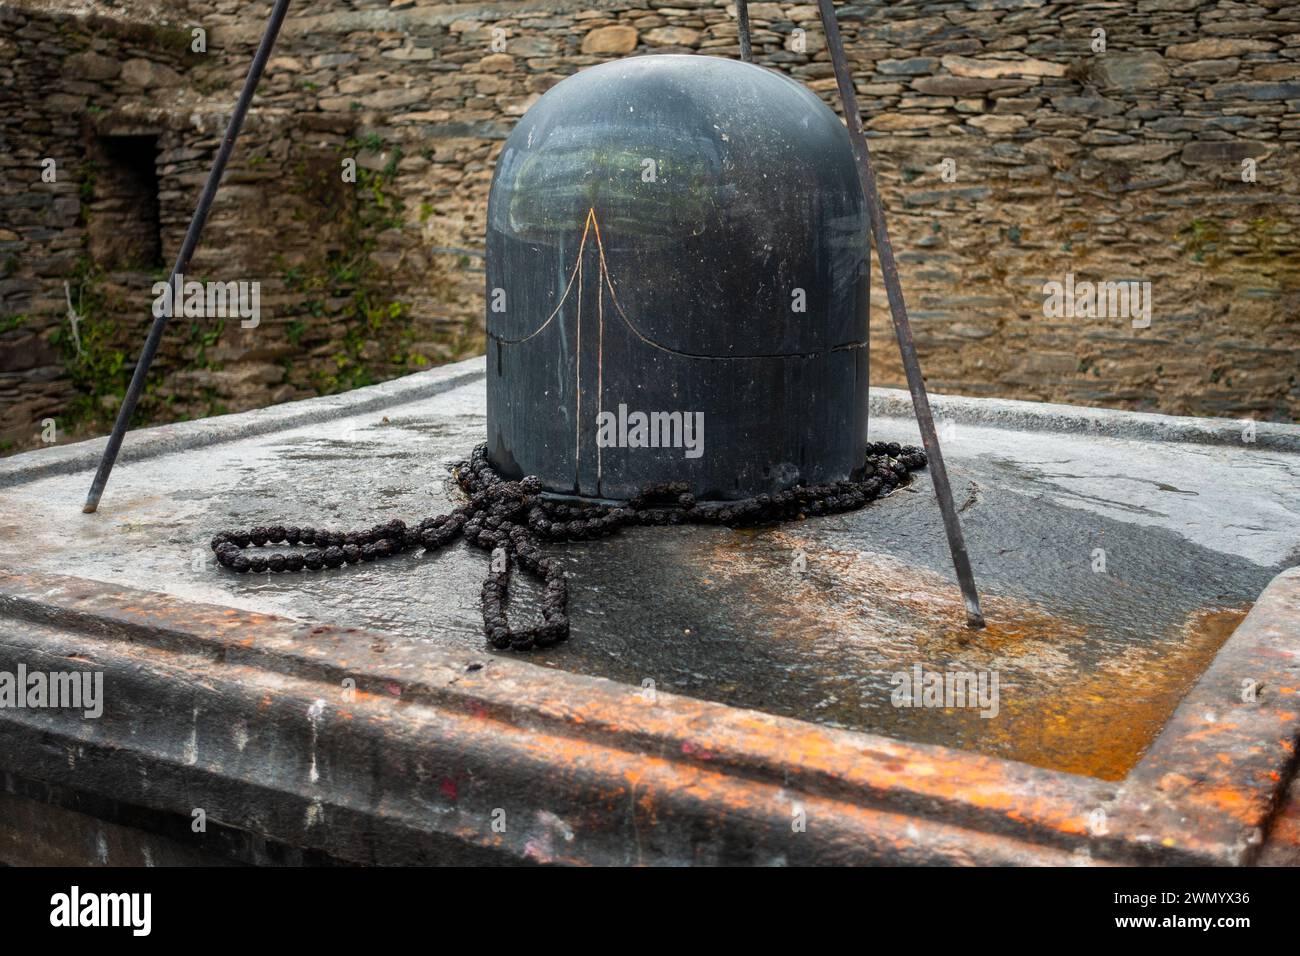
column 729, row 184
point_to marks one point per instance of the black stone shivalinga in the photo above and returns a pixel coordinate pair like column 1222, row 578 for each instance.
column 512, row 519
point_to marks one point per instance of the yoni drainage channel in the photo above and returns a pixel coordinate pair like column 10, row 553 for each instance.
column 376, row 750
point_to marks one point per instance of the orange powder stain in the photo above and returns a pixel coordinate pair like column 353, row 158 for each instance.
column 1062, row 705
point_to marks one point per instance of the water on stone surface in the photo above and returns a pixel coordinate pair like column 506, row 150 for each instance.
column 1090, row 665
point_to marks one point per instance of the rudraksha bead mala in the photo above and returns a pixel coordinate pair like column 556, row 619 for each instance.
column 512, row 519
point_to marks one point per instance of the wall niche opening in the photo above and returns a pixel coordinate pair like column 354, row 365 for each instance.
column 123, row 225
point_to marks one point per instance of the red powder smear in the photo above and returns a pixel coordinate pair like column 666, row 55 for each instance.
column 690, row 749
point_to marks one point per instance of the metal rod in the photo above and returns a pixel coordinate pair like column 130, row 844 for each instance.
column 902, row 326
column 742, row 14
column 136, row 387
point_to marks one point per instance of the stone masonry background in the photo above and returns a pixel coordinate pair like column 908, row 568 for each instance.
column 1112, row 166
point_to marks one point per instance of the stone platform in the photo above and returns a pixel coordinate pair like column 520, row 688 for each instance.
column 718, row 685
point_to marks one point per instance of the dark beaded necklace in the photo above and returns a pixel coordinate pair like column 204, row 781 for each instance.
column 509, row 518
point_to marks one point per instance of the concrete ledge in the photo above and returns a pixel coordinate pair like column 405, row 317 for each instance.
column 1227, row 755
column 147, row 443
column 374, row 751
column 1079, row 419
column 409, row 765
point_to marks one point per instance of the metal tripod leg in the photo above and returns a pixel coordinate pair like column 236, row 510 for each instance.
column 902, row 327
column 742, row 15
column 136, row 387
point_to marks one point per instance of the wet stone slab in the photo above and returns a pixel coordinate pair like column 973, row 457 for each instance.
column 809, row 619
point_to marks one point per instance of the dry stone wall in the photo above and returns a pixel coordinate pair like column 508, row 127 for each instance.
column 1012, row 151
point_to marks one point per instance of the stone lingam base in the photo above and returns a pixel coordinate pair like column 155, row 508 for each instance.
column 726, row 696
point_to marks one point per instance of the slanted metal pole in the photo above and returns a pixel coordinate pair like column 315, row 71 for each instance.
column 902, row 327
column 136, row 387
column 742, row 14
